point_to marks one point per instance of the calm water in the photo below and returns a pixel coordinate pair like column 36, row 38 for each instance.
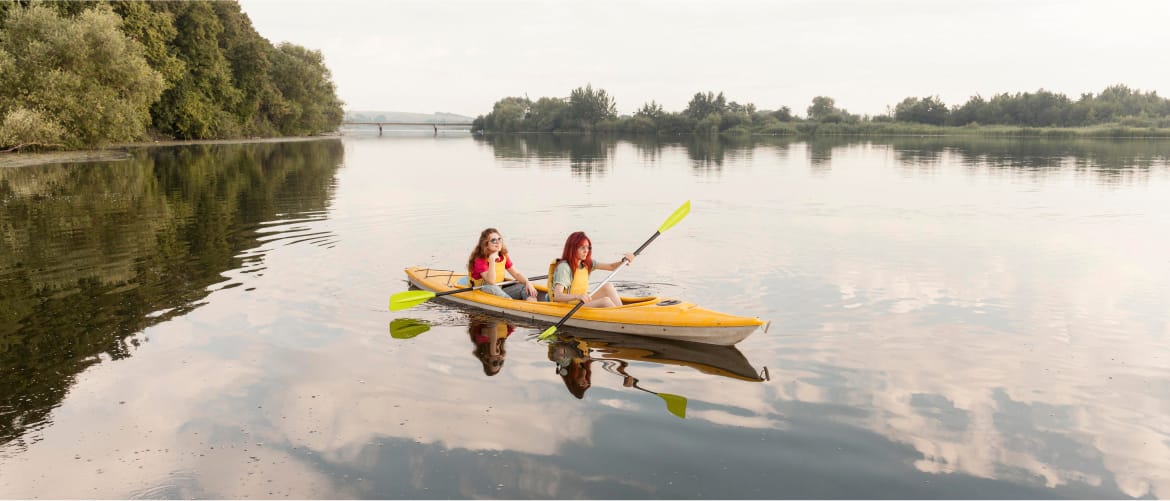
column 951, row 318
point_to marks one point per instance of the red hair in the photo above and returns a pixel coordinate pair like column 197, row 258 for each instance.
column 577, row 239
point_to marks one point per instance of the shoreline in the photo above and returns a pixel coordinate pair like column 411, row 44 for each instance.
column 121, row 151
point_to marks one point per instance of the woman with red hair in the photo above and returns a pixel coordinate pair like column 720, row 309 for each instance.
column 570, row 277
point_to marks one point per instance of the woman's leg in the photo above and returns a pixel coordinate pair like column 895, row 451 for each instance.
column 495, row 290
column 608, row 291
column 601, row 302
column 515, row 291
column 518, row 291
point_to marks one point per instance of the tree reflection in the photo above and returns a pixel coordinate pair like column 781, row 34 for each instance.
column 92, row 253
column 1111, row 160
column 587, row 155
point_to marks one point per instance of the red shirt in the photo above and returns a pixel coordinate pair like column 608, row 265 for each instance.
column 481, row 265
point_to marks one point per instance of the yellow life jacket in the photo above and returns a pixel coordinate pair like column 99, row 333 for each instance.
column 476, row 282
column 579, row 284
column 503, row 330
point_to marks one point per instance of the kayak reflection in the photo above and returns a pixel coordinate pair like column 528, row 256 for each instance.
column 575, row 355
column 488, row 334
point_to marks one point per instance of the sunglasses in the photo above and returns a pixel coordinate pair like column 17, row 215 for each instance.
column 496, row 240
column 585, row 247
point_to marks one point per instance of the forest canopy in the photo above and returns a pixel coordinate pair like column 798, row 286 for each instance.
column 83, row 74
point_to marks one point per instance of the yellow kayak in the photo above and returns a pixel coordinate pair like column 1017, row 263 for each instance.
column 644, row 316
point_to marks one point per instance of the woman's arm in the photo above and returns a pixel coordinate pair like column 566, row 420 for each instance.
column 614, row 265
column 517, row 276
column 561, row 297
column 489, row 276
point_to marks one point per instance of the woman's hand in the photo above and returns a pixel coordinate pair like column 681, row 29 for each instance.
column 585, row 298
column 629, row 258
column 531, row 289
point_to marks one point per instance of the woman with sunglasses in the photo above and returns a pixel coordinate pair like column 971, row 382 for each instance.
column 569, row 280
column 487, row 264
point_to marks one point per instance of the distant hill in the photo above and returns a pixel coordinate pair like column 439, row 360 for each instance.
column 399, row 116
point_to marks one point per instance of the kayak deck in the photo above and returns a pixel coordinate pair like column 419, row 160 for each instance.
column 645, row 315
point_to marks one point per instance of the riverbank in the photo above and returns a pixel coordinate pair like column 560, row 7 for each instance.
column 116, row 152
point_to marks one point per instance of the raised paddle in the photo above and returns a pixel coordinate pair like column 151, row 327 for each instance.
column 410, row 299
column 674, row 218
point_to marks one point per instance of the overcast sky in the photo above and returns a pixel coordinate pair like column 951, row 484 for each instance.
column 463, row 56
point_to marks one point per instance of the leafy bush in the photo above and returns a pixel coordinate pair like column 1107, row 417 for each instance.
column 23, row 128
column 81, row 73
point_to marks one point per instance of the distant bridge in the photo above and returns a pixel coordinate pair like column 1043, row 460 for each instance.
column 436, row 125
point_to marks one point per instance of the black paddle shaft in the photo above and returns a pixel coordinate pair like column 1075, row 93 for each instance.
column 510, row 282
column 643, row 247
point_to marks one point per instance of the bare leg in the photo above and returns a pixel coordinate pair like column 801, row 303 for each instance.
column 601, row 302
column 608, row 291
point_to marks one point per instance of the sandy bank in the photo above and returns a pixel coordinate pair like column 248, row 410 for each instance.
column 117, row 152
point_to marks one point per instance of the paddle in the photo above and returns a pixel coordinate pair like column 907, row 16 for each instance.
column 674, row 218
column 410, row 299
column 406, row 328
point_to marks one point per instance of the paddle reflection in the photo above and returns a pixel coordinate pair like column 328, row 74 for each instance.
column 575, row 356
column 489, row 334
column 574, row 361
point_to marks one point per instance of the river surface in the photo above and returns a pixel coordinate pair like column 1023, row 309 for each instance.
column 949, row 318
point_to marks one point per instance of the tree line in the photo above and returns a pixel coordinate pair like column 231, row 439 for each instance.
column 593, row 110
column 83, row 74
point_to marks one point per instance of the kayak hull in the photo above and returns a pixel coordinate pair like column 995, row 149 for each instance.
column 644, row 316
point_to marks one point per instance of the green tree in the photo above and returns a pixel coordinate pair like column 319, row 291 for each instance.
column 547, row 114
column 651, row 110
column 928, row 110
column 306, row 85
column 81, row 74
column 587, row 107
column 248, row 54
column 968, row 113
column 703, row 105
column 196, row 107
column 507, row 115
column 823, row 109
column 155, row 30
column 784, row 114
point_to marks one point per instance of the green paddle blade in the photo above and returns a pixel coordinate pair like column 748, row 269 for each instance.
column 409, row 299
column 678, row 215
column 676, row 404
column 547, row 332
column 406, row 328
